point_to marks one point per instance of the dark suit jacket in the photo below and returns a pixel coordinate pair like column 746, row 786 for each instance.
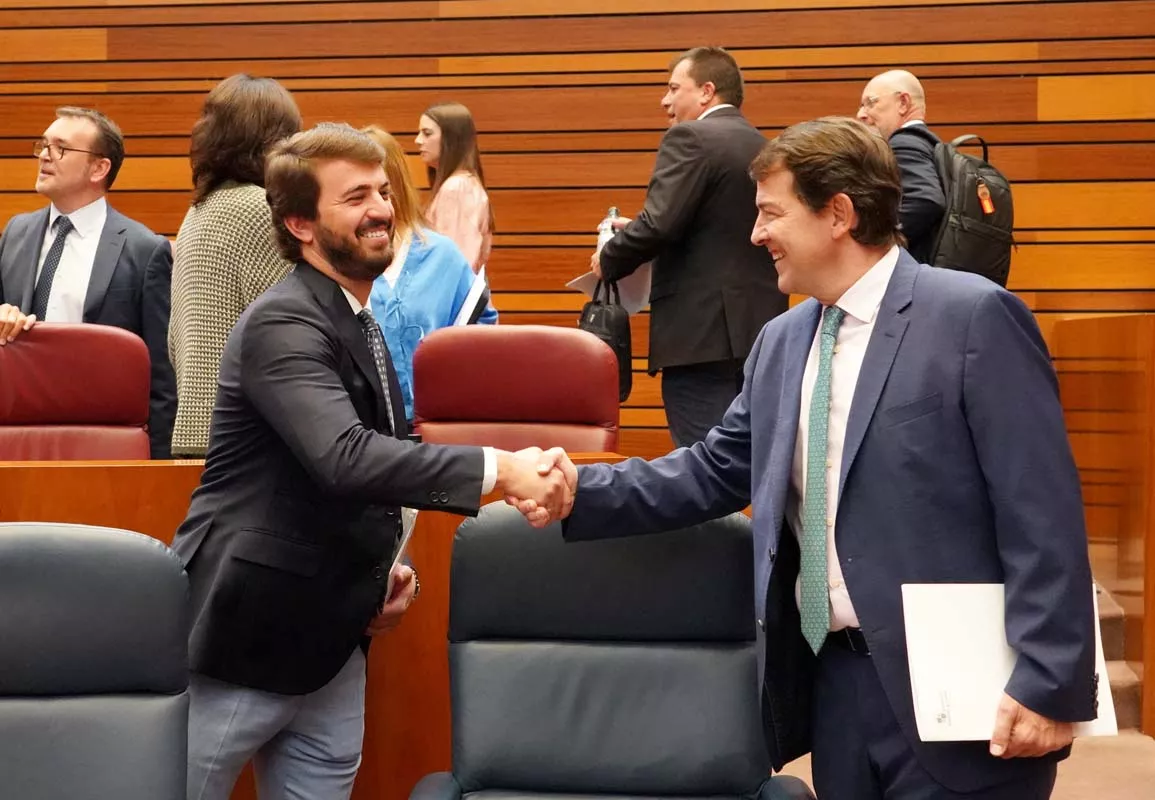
column 711, row 290
column 923, row 201
column 956, row 468
column 129, row 288
column 289, row 537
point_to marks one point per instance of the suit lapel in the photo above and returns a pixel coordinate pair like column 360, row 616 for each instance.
column 797, row 351
column 20, row 282
column 349, row 329
column 104, row 265
column 879, row 359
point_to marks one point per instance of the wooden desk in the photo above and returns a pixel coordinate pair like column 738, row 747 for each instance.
column 407, row 716
column 1106, row 367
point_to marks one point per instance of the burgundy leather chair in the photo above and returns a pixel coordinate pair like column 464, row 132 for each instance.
column 74, row 393
column 516, row 386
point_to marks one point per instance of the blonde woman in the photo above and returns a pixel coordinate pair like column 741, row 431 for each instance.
column 429, row 285
column 458, row 206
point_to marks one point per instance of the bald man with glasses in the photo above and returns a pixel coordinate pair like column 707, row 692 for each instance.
column 79, row 260
column 894, row 104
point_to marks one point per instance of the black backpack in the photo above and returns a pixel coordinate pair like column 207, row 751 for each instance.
column 975, row 234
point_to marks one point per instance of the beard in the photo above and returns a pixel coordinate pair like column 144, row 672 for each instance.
column 354, row 256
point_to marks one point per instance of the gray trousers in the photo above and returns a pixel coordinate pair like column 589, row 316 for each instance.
column 303, row 747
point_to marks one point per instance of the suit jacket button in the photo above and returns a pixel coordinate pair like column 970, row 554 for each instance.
column 444, row 497
column 378, row 573
column 433, row 497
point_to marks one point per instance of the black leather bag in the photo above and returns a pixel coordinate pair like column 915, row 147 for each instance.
column 610, row 322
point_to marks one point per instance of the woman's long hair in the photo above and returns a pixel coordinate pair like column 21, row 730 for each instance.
column 407, row 216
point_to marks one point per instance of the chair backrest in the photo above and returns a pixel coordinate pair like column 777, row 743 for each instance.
column 622, row 666
column 516, row 386
column 74, row 393
column 93, row 666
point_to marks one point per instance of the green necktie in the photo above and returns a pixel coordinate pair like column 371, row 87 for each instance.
column 815, row 606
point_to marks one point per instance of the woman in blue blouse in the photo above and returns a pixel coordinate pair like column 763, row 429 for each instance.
column 429, row 282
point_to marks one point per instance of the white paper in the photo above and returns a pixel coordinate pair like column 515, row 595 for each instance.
column 960, row 662
column 476, row 290
column 634, row 288
column 408, row 523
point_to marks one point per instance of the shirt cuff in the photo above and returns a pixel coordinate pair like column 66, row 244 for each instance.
column 489, row 479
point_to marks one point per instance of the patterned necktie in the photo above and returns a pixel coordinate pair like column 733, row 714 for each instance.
column 380, row 359
column 815, row 606
column 62, row 226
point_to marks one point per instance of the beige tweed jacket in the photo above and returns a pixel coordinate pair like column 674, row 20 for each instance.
column 224, row 258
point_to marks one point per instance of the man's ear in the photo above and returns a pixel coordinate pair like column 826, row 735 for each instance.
column 843, row 217
column 301, row 228
column 709, row 91
column 100, row 169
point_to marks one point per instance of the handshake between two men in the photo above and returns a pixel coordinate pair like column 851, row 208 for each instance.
column 541, row 484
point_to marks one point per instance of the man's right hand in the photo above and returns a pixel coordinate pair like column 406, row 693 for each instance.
column 539, row 484
column 13, row 323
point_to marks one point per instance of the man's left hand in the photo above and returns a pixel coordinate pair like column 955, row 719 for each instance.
column 401, row 595
column 1021, row 733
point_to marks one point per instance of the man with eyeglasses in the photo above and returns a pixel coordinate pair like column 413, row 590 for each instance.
column 894, row 104
column 79, row 260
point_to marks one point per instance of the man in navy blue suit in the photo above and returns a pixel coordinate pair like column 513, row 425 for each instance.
column 902, row 425
column 80, row 260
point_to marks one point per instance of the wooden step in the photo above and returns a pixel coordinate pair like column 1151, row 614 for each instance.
column 1126, row 692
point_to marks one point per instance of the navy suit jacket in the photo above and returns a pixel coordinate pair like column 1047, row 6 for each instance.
column 129, row 288
column 956, row 468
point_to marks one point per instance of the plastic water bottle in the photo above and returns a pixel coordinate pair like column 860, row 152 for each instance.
column 606, row 227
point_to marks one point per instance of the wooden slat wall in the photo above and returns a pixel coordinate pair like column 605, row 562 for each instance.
column 566, row 94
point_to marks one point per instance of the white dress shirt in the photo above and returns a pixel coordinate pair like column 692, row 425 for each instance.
column 861, row 303
column 489, row 476
column 712, row 109
column 70, row 284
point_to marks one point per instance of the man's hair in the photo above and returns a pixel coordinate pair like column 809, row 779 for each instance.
column 714, row 65
column 291, row 185
column 407, row 216
column 242, row 117
column 839, row 155
column 109, row 142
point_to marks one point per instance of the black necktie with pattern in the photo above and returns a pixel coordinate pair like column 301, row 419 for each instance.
column 377, row 348
column 62, row 226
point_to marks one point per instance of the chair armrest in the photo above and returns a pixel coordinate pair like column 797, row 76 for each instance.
column 436, row 786
column 785, row 787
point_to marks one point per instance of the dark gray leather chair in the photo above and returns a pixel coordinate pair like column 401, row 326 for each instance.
column 93, row 665
column 624, row 668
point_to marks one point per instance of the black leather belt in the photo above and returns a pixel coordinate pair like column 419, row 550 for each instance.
column 849, row 639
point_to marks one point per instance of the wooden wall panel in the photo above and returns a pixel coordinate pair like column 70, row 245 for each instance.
column 566, row 96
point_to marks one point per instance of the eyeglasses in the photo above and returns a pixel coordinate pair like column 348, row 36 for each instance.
column 871, row 100
column 57, row 151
